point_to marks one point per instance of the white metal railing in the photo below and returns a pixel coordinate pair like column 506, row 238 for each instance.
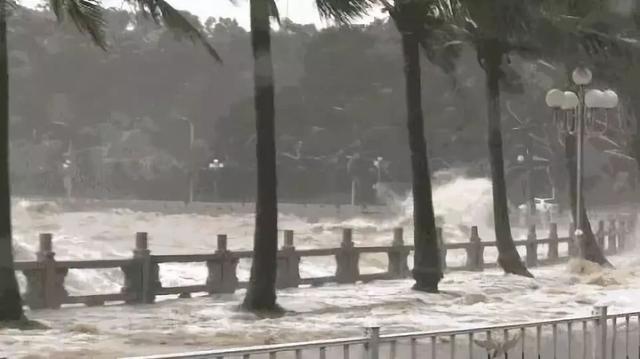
column 599, row 336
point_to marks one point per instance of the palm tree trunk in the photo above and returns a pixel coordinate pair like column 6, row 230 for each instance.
column 261, row 294
column 508, row 257
column 635, row 138
column 10, row 301
column 589, row 246
column 427, row 270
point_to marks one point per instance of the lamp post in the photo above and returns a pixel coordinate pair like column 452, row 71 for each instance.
column 378, row 164
column 576, row 113
column 67, row 176
column 526, row 160
column 192, row 171
column 215, row 166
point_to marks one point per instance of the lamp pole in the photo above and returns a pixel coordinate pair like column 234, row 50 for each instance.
column 191, row 170
column 526, row 160
column 578, row 105
column 378, row 164
column 216, row 165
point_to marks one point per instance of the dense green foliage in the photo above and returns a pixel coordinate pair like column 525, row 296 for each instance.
column 339, row 91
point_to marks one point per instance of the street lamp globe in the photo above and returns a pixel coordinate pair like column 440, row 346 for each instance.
column 611, row 99
column 555, row 98
column 520, row 158
column 581, row 76
column 216, row 164
column 594, row 99
column 570, row 101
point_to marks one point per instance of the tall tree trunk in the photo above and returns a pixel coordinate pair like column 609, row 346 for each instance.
column 427, row 270
column 261, row 294
column 10, row 301
column 508, row 257
column 635, row 138
column 589, row 246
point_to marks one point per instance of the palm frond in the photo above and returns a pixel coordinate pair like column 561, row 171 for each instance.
column 162, row 11
column 344, row 11
column 87, row 15
column 273, row 10
column 10, row 6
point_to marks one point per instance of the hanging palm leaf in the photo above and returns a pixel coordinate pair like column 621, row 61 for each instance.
column 162, row 11
column 85, row 14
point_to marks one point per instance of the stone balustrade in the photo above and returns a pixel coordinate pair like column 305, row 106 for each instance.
column 142, row 284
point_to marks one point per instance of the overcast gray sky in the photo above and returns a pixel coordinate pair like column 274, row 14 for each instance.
column 300, row 11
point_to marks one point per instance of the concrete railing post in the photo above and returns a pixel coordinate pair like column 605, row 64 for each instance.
column 475, row 251
column 288, row 264
column 600, row 333
column 612, row 238
column 222, row 277
column 442, row 246
column 347, row 259
column 141, row 276
column 600, row 235
column 398, row 253
column 372, row 347
column 552, row 253
column 45, row 285
column 532, row 247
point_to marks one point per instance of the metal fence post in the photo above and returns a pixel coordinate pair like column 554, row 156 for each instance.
column 600, row 333
column 372, row 348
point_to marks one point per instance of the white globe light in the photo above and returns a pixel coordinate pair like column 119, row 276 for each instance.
column 520, row 158
column 611, row 99
column 594, row 99
column 555, row 98
column 570, row 101
column 582, row 76
column 221, row 165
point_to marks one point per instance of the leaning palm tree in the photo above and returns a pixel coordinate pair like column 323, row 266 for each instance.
column 496, row 29
column 421, row 23
column 87, row 16
column 261, row 293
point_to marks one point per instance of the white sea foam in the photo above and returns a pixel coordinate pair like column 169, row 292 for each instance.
column 319, row 312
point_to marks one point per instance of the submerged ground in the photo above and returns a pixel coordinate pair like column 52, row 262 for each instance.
column 468, row 299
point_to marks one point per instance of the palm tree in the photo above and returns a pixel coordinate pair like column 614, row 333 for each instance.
column 261, row 293
column 421, row 24
column 87, row 17
column 495, row 28
column 10, row 301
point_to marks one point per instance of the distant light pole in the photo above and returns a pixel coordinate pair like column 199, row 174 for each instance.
column 378, row 164
column 527, row 161
column 216, row 166
column 67, row 176
column 575, row 113
column 191, row 169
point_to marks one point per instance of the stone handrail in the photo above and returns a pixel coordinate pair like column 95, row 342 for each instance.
column 46, row 276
